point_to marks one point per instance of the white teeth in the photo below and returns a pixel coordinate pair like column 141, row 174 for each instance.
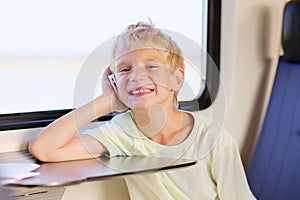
column 140, row 91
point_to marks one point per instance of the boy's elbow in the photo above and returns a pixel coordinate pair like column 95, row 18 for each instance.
column 38, row 152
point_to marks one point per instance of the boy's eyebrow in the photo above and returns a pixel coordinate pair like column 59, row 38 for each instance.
column 121, row 64
column 155, row 59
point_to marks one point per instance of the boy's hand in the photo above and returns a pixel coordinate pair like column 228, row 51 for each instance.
column 107, row 89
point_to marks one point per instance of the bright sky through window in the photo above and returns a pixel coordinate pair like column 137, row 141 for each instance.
column 45, row 43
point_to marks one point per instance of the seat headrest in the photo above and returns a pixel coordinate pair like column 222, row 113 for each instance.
column 291, row 31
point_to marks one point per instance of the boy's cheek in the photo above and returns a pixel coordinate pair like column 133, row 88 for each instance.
column 163, row 82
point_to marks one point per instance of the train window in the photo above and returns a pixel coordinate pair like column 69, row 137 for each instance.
column 45, row 46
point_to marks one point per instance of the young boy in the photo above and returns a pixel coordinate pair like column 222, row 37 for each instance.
column 148, row 69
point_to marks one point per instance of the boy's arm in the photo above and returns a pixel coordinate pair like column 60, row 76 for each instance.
column 58, row 141
column 228, row 171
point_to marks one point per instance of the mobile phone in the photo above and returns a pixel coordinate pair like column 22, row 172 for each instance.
column 112, row 80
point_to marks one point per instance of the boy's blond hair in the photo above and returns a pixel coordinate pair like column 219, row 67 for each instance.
column 145, row 35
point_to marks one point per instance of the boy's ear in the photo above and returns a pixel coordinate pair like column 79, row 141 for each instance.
column 177, row 79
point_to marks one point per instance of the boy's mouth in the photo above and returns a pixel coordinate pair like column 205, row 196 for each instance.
column 139, row 91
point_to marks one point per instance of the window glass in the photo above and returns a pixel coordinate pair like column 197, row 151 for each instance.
column 45, row 44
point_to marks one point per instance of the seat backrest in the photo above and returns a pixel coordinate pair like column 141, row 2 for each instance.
column 274, row 172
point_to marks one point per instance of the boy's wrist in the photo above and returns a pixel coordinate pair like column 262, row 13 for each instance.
column 103, row 105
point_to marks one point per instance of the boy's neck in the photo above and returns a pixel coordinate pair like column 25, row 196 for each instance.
column 163, row 126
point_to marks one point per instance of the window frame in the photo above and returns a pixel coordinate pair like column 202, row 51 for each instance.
column 43, row 118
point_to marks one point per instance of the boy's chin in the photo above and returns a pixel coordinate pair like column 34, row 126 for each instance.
column 140, row 107
column 148, row 108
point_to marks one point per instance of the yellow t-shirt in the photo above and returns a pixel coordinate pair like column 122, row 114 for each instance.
column 218, row 174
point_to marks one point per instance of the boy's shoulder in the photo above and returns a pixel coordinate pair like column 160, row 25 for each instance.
column 210, row 135
column 121, row 116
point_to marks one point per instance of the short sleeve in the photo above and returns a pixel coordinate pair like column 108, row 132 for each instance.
column 115, row 135
column 228, row 171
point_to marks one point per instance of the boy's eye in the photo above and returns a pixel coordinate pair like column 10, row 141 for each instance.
column 152, row 66
column 125, row 69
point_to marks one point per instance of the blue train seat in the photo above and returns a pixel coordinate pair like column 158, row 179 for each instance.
column 274, row 172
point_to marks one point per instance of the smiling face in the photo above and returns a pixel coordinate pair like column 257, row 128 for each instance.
column 143, row 79
column 148, row 67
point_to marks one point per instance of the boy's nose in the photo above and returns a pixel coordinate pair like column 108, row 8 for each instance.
column 138, row 73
